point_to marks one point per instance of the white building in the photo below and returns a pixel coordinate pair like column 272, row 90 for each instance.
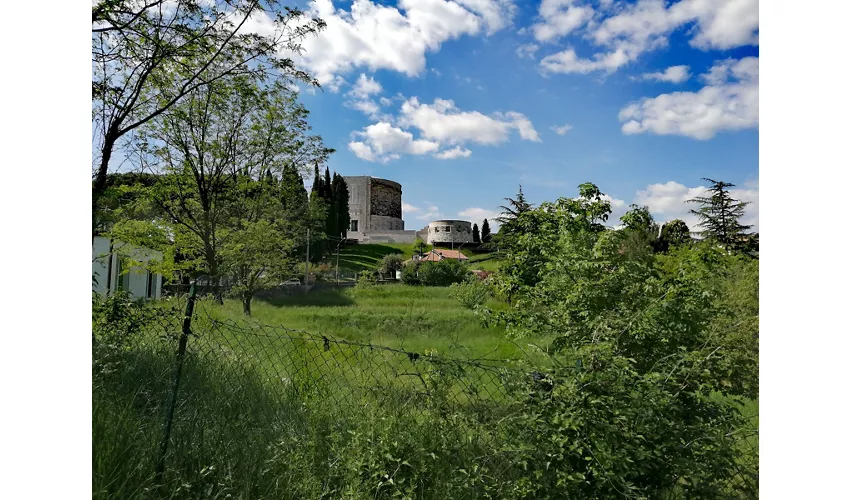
column 112, row 269
column 449, row 231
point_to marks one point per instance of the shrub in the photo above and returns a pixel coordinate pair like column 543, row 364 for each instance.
column 410, row 274
column 390, row 264
column 366, row 279
column 443, row 273
column 470, row 293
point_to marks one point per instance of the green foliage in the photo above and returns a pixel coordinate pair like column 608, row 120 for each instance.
column 471, row 293
column 390, row 264
column 720, row 216
column 675, row 234
column 653, row 338
column 410, row 273
column 443, row 272
column 485, row 232
column 366, row 279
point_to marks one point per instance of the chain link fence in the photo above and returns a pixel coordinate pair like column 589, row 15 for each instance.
column 196, row 383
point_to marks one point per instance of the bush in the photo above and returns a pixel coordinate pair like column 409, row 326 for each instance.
column 390, row 264
column 366, row 279
column 443, row 273
column 471, row 293
column 410, row 274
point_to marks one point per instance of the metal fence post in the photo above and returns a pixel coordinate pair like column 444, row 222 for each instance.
column 181, row 352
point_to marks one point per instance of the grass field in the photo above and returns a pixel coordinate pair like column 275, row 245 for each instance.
column 395, row 315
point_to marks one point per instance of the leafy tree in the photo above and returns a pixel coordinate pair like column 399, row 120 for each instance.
column 391, row 263
column 648, row 354
column 485, row 232
column 443, row 272
column 150, row 55
column 476, row 236
column 223, row 148
column 720, row 215
column 673, row 234
column 640, row 232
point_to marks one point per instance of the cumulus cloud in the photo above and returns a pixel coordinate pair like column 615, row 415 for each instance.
column 668, row 201
column 560, row 18
column 644, row 26
column 477, row 215
column 429, row 213
column 364, row 87
column 451, row 154
column 729, row 101
column 383, row 143
column 375, row 36
column 362, row 91
column 673, row 74
column 442, row 121
column 527, row 51
column 561, row 130
column 443, row 130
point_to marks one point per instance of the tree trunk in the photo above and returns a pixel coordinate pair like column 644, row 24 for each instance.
column 212, row 265
column 99, row 186
column 246, row 303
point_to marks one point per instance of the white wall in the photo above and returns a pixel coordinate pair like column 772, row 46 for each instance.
column 110, row 274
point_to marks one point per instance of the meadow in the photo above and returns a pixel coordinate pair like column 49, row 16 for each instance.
column 364, row 257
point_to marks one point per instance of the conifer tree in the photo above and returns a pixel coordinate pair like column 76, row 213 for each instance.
column 476, row 238
column 720, row 215
column 485, row 232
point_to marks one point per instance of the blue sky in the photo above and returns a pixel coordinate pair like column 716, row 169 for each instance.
column 459, row 100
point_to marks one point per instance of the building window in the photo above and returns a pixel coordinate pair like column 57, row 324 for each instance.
column 151, row 279
column 354, row 226
column 447, row 229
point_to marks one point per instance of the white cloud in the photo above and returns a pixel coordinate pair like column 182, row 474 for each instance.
column 645, row 26
column 451, row 154
column 376, row 36
column 560, row 18
column 382, row 142
column 527, row 50
column 561, row 130
column 673, row 74
column 442, row 121
column 567, row 61
column 730, row 101
column 386, row 101
column 407, row 207
column 432, row 212
column 368, row 107
column 668, row 201
column 365, row 87
column 477, row 215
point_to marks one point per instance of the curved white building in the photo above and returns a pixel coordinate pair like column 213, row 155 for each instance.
column 449, row 231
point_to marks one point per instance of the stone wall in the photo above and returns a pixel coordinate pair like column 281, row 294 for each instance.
column 358, row 200
column 449, row 231
column 385, row 199
column 383, row 236
column 381, row 223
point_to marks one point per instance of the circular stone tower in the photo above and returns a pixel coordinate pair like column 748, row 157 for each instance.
column 449, row 231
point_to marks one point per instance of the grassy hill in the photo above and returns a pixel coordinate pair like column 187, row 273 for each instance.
column 358, row 258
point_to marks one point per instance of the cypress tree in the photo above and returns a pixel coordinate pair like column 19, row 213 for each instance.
column 476, row 238
column 485, row 232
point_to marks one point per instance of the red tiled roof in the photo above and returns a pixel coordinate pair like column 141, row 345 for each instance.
column 437, row 255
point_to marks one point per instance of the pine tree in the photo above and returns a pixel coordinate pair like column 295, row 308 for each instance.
column 516, row 207
column 485, row 232
column 719, row 215
column 476, row 238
